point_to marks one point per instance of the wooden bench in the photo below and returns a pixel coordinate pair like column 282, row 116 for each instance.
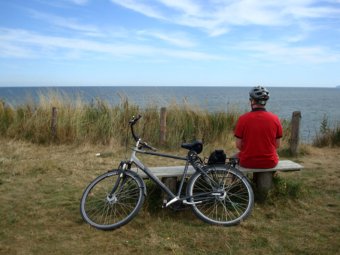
column 264, row 177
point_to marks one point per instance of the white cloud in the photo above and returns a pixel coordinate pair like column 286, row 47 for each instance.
column 145, row 9
column 217, row 16
column 26, row 44
column 283, row 53
column 24, row 41
column 79, row 2
column 7, row 49
column 68, row 23
column 186, row 6
column 174, row 38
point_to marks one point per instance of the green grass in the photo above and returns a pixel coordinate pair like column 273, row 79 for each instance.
column 41, row 187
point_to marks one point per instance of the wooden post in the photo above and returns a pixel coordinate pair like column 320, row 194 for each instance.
column 295, row 132
column 54, row 122
column 162, row 138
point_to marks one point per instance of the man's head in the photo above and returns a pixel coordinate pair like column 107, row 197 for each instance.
column 258, row 96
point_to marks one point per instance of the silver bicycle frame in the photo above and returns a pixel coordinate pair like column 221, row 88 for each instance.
column 147, row 171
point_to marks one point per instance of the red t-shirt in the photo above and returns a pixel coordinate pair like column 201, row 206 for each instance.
column 258, row 130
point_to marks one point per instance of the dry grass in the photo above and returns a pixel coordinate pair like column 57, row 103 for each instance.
column 99, row 122
column 40, row 189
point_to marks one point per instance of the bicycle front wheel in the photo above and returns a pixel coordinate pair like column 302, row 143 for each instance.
column 107, row 211
column 221, row 195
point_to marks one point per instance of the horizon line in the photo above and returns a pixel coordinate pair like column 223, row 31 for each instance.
column 230, row 86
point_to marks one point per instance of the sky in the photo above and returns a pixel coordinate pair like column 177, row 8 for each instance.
column 170, row 43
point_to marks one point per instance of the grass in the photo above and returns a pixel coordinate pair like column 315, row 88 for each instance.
column 41, row 185
column 42, row 179
column 329, row 137
column 99, row 122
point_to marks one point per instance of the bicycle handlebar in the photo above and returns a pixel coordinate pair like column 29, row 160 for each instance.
column 132, row 122
column 134, row 119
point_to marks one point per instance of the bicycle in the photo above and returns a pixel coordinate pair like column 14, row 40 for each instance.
column 218, row 194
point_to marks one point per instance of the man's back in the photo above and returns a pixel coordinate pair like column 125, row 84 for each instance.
column 258, row 131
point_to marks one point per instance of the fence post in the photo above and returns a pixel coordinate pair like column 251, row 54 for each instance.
column 54, row 122
column 162, row 138
column 295, row 132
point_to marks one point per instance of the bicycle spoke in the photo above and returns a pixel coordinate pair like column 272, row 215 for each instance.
column 108, row 211
column 223, row 198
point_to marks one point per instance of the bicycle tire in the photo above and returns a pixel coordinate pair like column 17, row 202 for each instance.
column 227, row 200
column 108, row 213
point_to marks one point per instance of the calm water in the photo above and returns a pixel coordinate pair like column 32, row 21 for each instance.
column 314, row 103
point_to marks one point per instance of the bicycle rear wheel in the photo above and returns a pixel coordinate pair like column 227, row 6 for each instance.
column 221, row 197
column 106, row 212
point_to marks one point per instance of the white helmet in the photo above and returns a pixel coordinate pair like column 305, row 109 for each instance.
column 259, row 94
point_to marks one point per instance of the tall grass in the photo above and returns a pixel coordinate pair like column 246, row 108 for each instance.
column 327, row 136
column 98, row 122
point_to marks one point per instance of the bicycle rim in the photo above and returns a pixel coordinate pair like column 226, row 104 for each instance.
column 223, row 197
column 106, row 212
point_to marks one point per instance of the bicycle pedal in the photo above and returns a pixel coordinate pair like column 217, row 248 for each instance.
column 164, row 203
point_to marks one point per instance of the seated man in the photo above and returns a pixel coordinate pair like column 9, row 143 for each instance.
column 258, row 133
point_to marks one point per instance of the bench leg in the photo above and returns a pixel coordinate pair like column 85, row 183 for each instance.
column 264, row 182
column 171, row 183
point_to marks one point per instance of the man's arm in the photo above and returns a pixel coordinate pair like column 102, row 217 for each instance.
column 238, row 143
column 278, row 143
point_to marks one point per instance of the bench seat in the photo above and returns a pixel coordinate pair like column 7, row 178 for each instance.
column 177, row 171
column 283, row 166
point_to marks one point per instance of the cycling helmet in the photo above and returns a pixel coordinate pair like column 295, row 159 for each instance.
column 259, row 94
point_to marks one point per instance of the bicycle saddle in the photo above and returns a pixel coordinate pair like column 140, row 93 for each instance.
column 196, row 146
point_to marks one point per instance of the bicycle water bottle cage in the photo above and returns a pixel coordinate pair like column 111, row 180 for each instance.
column 196, row 146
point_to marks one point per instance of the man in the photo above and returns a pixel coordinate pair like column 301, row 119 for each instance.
column 258, row 133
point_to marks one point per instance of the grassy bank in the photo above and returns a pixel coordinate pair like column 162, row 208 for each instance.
column 99, row 122
column 41, row 185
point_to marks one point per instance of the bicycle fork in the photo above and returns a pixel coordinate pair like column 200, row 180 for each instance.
column 120, row 182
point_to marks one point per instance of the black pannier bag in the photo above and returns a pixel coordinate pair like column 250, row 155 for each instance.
column 217, row 157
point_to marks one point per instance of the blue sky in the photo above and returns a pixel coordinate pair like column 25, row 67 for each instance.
column 170, row 42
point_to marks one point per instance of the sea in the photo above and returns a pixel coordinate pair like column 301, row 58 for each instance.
column 315, row 104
